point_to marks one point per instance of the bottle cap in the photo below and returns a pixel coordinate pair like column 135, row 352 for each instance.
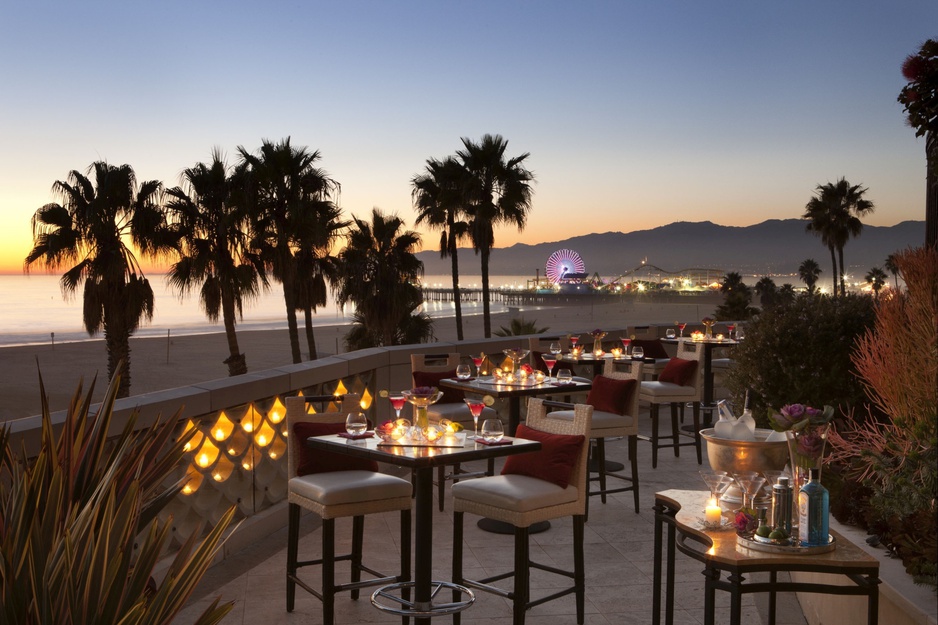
column 783, row 481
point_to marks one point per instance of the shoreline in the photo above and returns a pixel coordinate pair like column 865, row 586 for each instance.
column 159, row 363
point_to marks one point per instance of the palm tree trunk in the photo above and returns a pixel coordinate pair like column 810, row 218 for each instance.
column 843, row 270
column 310, row 337
column 834, row 263
column 486, row 311
column 237, row 363
column 289, row 298
column 117, row 342
column 454, row 261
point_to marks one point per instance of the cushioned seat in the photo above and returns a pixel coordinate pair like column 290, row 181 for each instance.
column 537, row 486
column 335, row 486
column 680, row 381
column 623, row 422
column 428, row 370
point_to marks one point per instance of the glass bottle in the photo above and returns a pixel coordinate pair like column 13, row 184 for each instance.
column 813, row 511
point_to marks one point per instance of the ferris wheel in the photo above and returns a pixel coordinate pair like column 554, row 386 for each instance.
column 563, row 263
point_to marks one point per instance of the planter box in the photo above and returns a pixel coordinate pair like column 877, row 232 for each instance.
column 901, row 602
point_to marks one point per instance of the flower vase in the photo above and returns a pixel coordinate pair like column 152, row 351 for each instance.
column 421, row 419
column 708, row 331
column 598, row 346
column 421, row 401
column 806, row 451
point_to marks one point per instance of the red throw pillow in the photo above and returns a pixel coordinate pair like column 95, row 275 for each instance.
column 678, row 371
column 554, row 462
column 432, row 378
column 610, row 394
column 318, row 461
column 652, row 348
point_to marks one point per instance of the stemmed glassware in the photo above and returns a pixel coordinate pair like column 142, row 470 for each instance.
column 717, row 482
column 516, row 354
column 730, row 329
column 477, row 361
column 750, row 483
column 574, row 339
column 625, row 345
column 397, row 402
column 549, row 361
column 680, row 326
column 475, row 407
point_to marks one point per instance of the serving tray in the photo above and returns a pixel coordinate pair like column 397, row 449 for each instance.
column 757, row 543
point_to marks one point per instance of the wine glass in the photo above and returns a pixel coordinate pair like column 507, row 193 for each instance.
column 740, row 333
column 564, row 376
column 492, row 430
column 463, row 372
column 356, row 423
column 477, row 361
column 670, row 333
column 397, row 402
column 680, row 326
column 475, row 407
column 625, row 345
column 555, row 348
column 549, row 361
column 638, row 352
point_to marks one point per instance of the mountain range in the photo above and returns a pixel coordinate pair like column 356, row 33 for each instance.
column 776, row 246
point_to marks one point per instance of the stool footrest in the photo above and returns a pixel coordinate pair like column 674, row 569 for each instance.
column 415, row 609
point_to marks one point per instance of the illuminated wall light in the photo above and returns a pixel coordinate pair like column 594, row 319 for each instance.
column 207, row 455
column 277, row 448
column 264, row 435
column 277, row 412
column 250, row 420
column 193, row 481
column 340, row 389
column 366, row 400
column 191, row 444
column 223, row 469
column 223, row 427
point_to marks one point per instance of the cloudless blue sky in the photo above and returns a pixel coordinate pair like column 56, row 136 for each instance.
column 636, row 114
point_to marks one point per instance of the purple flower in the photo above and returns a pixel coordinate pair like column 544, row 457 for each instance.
column 810, row 443
column 790, row 415
column 742, row 521
column 423, row 391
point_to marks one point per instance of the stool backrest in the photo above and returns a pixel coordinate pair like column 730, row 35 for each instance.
column 539, row 419
column 298, row 412
column 433, row 363
column 628, row 370
column 693, row 350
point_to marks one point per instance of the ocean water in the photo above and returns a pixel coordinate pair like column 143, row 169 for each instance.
column 33, row 310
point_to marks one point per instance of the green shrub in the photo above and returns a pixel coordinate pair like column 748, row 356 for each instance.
column 800, row 352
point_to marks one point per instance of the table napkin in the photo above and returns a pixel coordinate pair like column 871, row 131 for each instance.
column 356, row 437
column 504, row 441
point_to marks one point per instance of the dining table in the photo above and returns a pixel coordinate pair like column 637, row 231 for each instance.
column 721, row 552
column 489, row 385
column 422, row 459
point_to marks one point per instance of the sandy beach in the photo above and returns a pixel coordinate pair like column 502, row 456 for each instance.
column 161, row 363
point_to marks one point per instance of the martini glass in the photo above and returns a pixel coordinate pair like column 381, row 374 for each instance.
column 750, row 483
column 625, row 345
column 574, row 339
column 475, row 407
column 397, row 402
column 717, row 482
column 680, row 326
column 549, row 361
column 477, row 361
column 730, row 328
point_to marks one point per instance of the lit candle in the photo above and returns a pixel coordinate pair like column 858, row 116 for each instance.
column 598, row 353
column 713, row 513
column 539, row 377
column 616, row 352
column 719, row 337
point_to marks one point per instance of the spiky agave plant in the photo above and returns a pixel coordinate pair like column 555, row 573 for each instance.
column 80, row 535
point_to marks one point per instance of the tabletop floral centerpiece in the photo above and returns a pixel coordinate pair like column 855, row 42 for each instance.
column 598, row 336
column 421, row 397
column 806, row 429
column 708, row 326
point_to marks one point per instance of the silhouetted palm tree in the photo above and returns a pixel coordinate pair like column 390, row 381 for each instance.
column 213, row 249
column 377, row 269
column 500, row 192
column 519, row 326
column 736, row 299
column 438, row 195
column 767, row 291
column 288, row 196
column 877, row 279
column 91, row 226
column 809, row 271
column 834, row 213
column 893, row 268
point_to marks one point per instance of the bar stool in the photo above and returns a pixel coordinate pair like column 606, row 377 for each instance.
column 533, row 487
column 334, row 486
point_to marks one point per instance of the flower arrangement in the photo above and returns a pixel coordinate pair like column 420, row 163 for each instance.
column 526, row 369
column 806, row 429
column 598, row 334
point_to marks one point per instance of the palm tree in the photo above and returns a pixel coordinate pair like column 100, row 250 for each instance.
column 519, row 326
column 736, row 300
column 96, row 217
column 377, row 271
column 809, row 271
column 834, row 214
column 315, row 267
column 499, row 192
column 438, row 195
column 288, row 198
column 213, row 248
column 767, row 291
column 877, row 279
column 893, row 268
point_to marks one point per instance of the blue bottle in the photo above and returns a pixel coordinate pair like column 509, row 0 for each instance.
column 813, row 511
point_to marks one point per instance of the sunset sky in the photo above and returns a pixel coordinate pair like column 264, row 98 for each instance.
column 636, row 114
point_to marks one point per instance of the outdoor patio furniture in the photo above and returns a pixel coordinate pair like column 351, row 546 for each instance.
column 334, row 487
